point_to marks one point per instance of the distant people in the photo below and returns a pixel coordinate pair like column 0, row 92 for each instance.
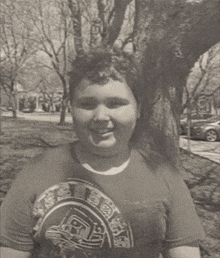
column 100, row 196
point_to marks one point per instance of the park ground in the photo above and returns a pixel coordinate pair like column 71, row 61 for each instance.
column 22, row 139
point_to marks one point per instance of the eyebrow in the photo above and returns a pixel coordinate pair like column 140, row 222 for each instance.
column 108, row 98
column 86, row 99
column 118, row 99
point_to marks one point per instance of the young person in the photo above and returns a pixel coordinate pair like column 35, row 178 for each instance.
column 99, row 196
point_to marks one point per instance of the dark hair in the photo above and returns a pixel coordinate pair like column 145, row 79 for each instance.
column 101, row 65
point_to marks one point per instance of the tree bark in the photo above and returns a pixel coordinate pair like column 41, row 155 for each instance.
column 75, row 9
column 169, row 38
column 114, row 29
column 63, row 112
column 64, row 105
column 13, row 101
column 1, row 111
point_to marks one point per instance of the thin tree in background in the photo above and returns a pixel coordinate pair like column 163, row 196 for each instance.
column 17, row 46
column 51, row 24
column 203, row 81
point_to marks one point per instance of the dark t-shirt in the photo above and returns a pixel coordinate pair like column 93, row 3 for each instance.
column 63, row 210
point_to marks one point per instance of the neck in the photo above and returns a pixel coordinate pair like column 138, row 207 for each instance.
column 102, row 160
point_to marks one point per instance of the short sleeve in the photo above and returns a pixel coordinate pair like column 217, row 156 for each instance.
column 183, row 223
column 16, row 217
column 16, row 213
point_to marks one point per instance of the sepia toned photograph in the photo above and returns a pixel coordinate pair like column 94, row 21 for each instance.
column 110, row 129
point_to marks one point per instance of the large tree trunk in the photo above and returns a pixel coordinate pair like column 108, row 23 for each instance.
column 169, row 38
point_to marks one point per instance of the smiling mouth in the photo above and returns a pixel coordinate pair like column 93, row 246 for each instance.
column 102, row 131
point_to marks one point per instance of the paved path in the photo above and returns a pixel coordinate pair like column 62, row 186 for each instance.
column 44, row 116
column 209, row 150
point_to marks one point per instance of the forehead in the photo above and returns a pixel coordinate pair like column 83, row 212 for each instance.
column 110, row 89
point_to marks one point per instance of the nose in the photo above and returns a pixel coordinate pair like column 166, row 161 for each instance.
column 101, row 113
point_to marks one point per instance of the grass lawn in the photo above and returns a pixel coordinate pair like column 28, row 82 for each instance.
column 22, row 140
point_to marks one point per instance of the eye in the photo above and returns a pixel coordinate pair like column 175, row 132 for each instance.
column 88, row 105
column 116, row 103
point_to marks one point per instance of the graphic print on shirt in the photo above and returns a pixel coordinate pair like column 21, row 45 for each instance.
column 77, row 217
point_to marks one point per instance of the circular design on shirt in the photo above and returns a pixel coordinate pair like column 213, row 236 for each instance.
column 76, row 215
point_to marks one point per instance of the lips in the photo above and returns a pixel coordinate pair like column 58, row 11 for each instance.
column 102, row 131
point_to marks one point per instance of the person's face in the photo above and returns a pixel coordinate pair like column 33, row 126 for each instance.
column 104, row 116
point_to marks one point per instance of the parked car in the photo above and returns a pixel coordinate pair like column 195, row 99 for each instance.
column 194, row 118
column 208, row 130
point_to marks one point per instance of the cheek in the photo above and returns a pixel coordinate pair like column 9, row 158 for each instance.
column 81, row 118
column 128, row 115
column 127, row 120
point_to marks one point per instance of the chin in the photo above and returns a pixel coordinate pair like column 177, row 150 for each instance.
column 104, row 145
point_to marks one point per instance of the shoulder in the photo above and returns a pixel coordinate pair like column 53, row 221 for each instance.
column 169, row 176
column 45, row 169
column 55, row 155
column 155, row 160
column 161, row 166
column 50, row 158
